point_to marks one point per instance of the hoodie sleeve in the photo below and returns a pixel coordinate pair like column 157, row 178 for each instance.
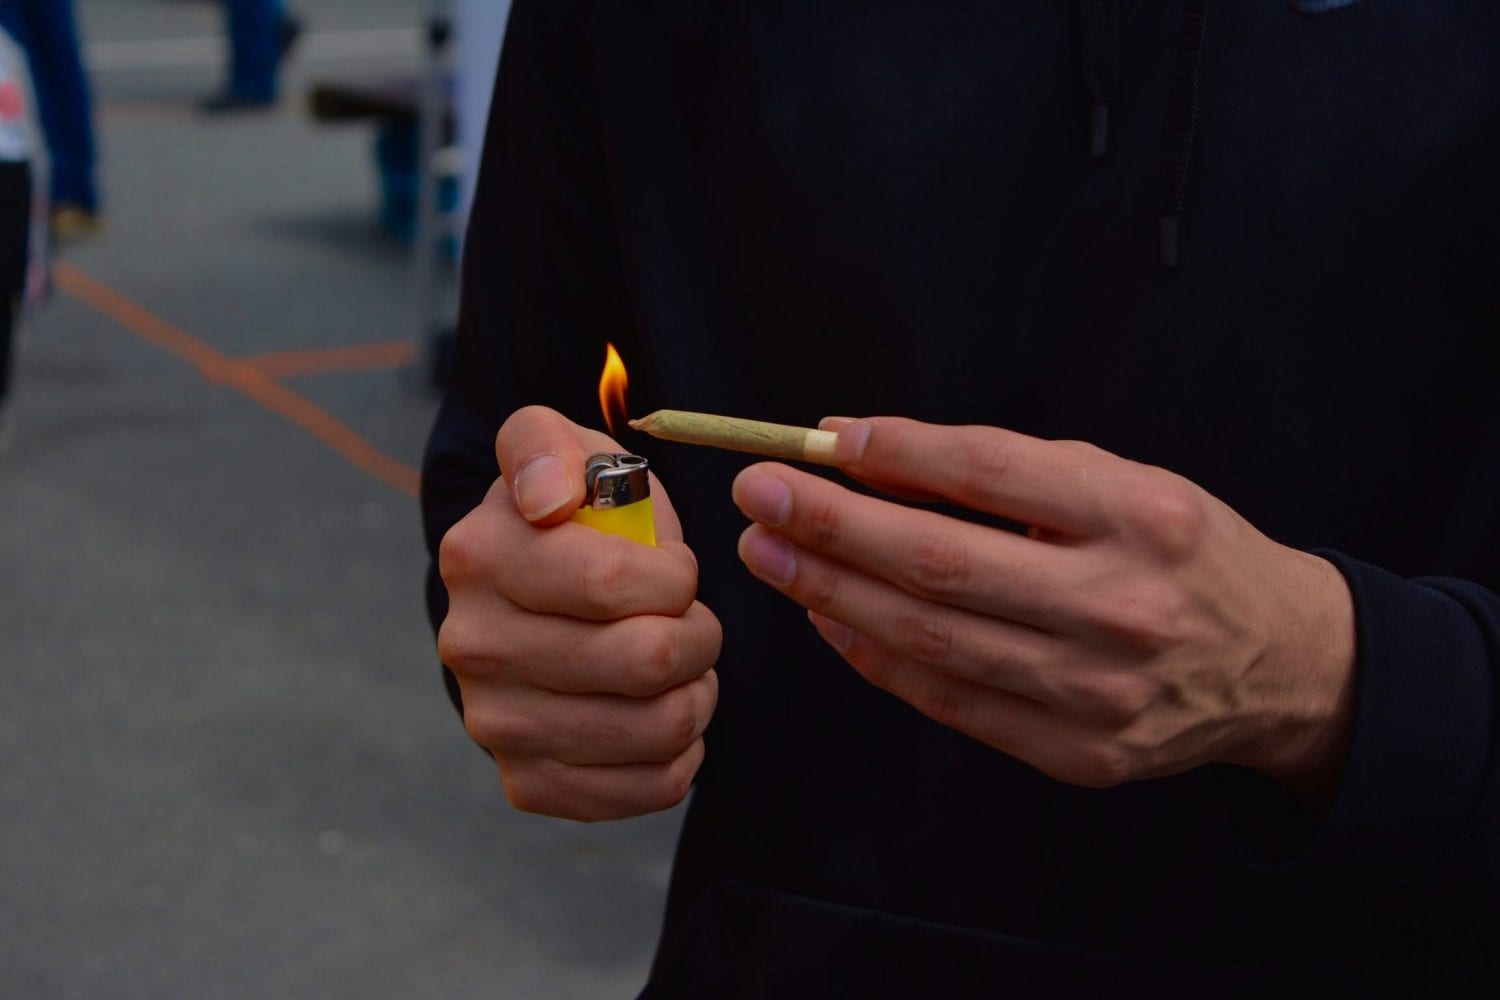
column 542, row 290
column 1415, row 825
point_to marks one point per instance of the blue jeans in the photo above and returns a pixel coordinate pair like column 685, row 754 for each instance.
column 45, row 30
column 254, row 47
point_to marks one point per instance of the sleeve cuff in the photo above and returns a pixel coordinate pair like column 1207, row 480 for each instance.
column 1420, row 753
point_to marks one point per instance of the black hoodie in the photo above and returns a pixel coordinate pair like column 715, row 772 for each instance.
column 900, row 196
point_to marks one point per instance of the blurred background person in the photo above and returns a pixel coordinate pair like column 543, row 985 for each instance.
column 480, row 27
column 204, row 601
column 261, row 33
column 15, row 206
column 46, row 31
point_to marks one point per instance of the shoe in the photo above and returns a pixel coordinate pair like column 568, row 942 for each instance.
column 69, row 222
column 230, row 102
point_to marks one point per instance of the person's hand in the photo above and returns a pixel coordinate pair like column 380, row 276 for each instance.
column 1140, row 629
column 584, row 660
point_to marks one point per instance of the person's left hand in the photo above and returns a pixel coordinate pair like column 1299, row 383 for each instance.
column 1140, row 629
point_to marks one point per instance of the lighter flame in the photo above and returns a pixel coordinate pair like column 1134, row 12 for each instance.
column 612, row 388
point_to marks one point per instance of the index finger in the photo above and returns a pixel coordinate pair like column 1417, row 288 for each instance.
column 989, row 469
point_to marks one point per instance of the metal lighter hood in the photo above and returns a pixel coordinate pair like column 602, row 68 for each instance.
column 614, row 480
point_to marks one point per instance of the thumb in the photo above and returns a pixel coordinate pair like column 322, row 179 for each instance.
column 541, row 455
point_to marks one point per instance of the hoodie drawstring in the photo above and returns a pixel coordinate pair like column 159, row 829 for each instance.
column 1181, row 124
column 1100, row 38
column 1101, row 65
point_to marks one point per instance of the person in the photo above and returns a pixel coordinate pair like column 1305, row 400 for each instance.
column 46, row 30
column 1153, row 635
column 16, row 143
column 261, row 33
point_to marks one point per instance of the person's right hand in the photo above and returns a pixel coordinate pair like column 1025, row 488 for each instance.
column 584, row 660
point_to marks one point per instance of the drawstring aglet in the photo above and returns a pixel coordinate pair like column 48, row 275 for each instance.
column 1169, row 241
column 1099, row 133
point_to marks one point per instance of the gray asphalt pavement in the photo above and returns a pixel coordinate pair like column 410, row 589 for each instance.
column 227, row 767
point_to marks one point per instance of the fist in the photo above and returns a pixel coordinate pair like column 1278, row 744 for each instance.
column 585, row 660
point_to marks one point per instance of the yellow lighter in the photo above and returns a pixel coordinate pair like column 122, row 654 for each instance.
column 617, row 497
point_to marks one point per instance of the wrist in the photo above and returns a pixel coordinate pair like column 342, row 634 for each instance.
column 1309, row 669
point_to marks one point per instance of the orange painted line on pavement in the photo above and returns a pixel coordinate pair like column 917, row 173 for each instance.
column 334, row 360
column 245, row 378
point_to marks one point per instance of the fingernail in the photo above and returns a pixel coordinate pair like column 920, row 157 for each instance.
column 836, row 634
column 851, row 444
column 764, row 498
column 542, row 486
column 834, row 424
column 768, row 556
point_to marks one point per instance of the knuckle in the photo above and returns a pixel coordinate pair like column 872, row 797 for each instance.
column 937, row 564
column 499, row 733
column 945, row 702
column 470, row 651
column 711, row 634
column 456, row 559
column 874, row 664
column 677, row 604
column 653, row 662
column 1102, row 765
column 924, row 636
column 1115, row 701
column 982, row 459
column 710, row 685
column 820, row 590
column 1133, row 697
column 477, row 725
column 530, row 789
column 999, row 664
column 1155, row 617
column 603, row 577
column 462, row 649
column 822, row 525
column 527, row 794
column 679, row 719
column 1170, row 514
column 677, row 778
column 455, row 644
column 679, row 589
column 1083, row 447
